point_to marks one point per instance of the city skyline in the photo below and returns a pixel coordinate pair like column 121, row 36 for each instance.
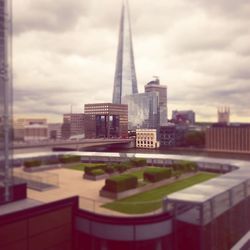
column 199, row 50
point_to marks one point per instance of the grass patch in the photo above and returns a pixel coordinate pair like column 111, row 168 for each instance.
column 152, row 200
column 138, row 174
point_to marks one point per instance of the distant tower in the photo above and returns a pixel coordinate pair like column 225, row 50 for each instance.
column 154, row 86
column 224, row 115
column 5, row 101
column 125, row 82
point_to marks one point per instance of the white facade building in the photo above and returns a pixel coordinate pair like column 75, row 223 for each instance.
column 33, row 129
column 147, row 138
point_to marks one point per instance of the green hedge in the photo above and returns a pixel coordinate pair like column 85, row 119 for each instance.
column 154, row 174
column 96, row 172
column 121, row 167
column 185, row 166
column 120, row 183
column 110, row 169
column 51, row 161
column 69, row 158
column 32, row 163
column 100, row 166
column 138, row 162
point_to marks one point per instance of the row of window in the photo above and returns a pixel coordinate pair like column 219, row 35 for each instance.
column 145, row 142
column 145, row 134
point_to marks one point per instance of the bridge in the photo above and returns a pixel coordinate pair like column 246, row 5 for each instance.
column 72, row 145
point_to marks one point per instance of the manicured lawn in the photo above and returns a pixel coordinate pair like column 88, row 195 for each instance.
column 138, row 174
column 152, row 200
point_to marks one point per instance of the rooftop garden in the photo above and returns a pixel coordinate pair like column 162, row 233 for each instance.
column 152, row 200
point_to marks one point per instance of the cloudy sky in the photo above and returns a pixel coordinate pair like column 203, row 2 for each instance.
column 64, row 54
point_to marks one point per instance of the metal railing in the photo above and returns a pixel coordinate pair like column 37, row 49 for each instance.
column 39, row 181
column 120, row 208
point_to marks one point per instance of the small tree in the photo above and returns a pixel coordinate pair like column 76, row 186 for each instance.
column 195, row 138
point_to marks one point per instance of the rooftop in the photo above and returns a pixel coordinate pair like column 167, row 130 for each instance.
column 71, row 182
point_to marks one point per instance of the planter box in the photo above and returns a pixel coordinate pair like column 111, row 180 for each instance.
column 147, row 187
column 95, row 177
column 42, row 168
column 104, row 176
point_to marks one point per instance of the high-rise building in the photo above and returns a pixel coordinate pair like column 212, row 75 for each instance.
column 125, row 82
column 106, row 120
column 223, row 115
column 5, row 104
column 143, row 110
column 154, row 86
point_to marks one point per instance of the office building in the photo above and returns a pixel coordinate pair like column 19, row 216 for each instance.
column 31, row 129
column 55, row 131
column 167, row 135
column 143, row 110
column 147, row 138
column 233, row 138
column 223, row 115
column 125, row 82
column 183, row 117
column 73, row 124
column 106, row 120
column 173, row 135
column 154, row 86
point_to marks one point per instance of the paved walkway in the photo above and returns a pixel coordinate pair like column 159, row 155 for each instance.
column 71, row 183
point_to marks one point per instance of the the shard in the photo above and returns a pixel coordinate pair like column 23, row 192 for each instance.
column 125, row 82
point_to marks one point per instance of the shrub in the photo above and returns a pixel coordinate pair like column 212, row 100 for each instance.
column 51, row 161
column 96, row 172
column 185, row 166
column 121, row 167
column 120, row 183
column 101, row 166
column 69, row 158
column 138, row 162
column 155, row 174
column 110, row 169
column 32, row 163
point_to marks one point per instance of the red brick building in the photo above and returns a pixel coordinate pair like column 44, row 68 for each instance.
column 228, row 138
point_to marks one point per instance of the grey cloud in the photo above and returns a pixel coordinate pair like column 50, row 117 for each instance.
column 46, row 15
column 199, row 48
column 230, row 8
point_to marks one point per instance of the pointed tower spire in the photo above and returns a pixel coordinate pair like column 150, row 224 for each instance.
column 125, row 82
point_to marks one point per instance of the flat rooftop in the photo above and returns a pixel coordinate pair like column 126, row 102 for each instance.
column 71, row 181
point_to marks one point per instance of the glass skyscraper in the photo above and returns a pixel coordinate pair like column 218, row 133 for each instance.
column 125, row 82
column 143, row 110
column 154, row 86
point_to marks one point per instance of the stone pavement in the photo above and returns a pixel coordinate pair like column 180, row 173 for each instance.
column 71, row 184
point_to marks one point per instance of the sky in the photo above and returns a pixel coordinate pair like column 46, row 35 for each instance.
column 64, row 54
